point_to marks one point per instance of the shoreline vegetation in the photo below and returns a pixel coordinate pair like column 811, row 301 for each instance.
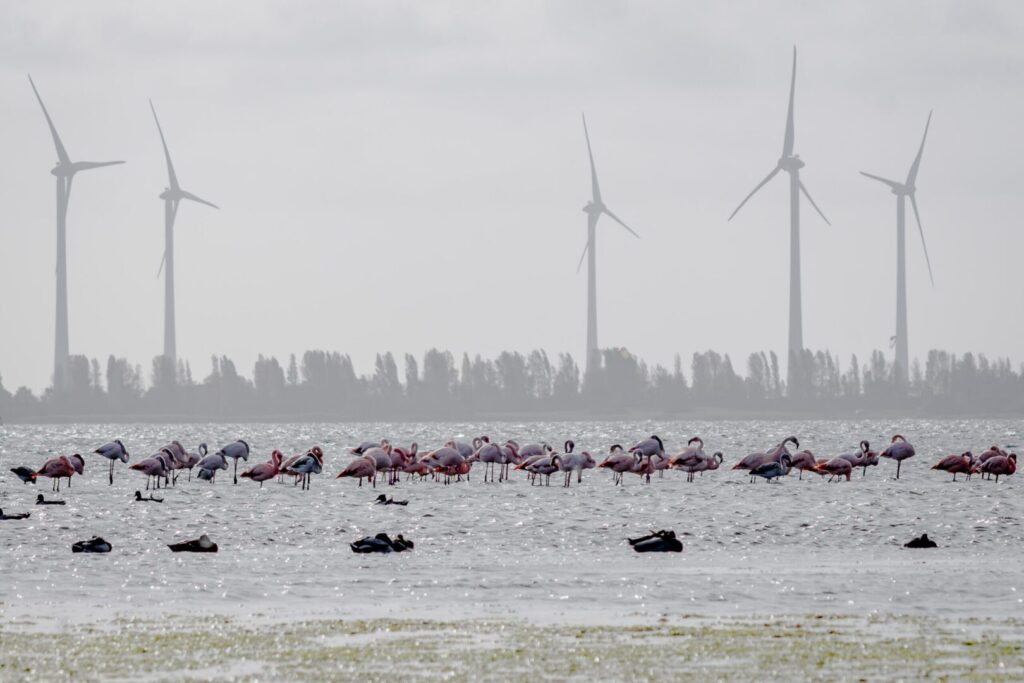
column 804, row 647
column 323, row 386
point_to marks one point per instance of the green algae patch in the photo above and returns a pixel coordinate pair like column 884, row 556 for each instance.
column 183, row 648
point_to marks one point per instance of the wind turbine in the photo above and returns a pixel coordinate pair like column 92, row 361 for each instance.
column 791, row 163
column 64, row 171
column 902, row 191
column 594, row 208
column 171, row 195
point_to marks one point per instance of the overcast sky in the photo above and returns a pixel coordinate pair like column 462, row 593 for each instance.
column 397, row 176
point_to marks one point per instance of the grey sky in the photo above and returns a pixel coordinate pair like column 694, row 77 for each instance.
column 396, row 176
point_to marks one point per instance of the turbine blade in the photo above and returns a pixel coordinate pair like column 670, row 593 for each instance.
column 62, row 153
column 891, row 183
column 619, row 221
column 759, row 186
column 586, row 247
column 807, row 194
column 595, row 188
column 189, row 195
column 172, row 178
column 912, row 175
column 89, row 165
column 920, row 230
column 787, row 145
column 162, row 259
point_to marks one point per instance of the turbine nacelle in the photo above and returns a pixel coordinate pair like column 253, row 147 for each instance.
column 791, row 163
column 593, row 209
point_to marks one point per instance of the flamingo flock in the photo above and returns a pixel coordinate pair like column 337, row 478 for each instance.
column 452, row 462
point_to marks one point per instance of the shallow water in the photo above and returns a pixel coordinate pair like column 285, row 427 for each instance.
column 514, row 550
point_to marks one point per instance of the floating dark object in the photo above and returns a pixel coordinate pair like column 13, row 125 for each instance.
column 657, row 542
column 20, row 515
column 151, row 499
column 921, row 542
column 93, row 545
column 381, row 543
column 384, row 500
column 42, row 501
column 25, row 474
column 203, row 544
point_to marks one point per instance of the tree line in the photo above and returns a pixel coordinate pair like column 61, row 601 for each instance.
column 324, row 385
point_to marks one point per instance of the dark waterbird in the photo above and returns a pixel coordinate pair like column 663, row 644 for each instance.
column 384, row 500
column 657, row 542
column 26, row 475
column 42, row 501
column 921, row 542
column 203, row 544
column 381, row 543
column 151, row 499
column 93, row 545
column 19, row 515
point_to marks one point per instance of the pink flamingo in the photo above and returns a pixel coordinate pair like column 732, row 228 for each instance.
column 863, row 459
column 619, row 462
column 956, row 464
column 361, row 468
column 154, row 467
column 1000, row 465
column 898, row 450
column 56, row 469
column 266, row 470
column 804, row 461
column 837, row 467
column 576, row 462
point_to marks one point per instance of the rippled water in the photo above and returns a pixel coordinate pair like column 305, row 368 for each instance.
column 510, row 549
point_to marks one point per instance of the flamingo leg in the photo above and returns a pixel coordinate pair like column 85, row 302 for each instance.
column 111, row 473
column 236, row 470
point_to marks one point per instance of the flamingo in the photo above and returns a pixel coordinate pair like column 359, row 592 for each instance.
column 836, row 467
column 773, row 470
column 78, row 463
column 113, row 451
column 363, row 447
column 649, row 448
column 956, row 464
column 510, row 454
column 864, row 458
column 774, row 454
column 192, row 459
column 804, row 461
column 899, row 450
column 691, row 464
column 489, row 454
column 236, row 449
column 361, row 468
column 576, row 462
column 545, row 466
column 154, row 467
column 265, row 470
column 56, row 469
column 381, row 455
column 619, row 462
column 209, row 465
column 310, row 463
column 1000, row 465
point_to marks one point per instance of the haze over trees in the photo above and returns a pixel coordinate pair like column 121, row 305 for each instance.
column 323, row 385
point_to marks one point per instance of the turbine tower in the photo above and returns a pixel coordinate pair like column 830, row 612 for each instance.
column 64, row 171
column 594, row 208
column 792, row 164
column 171, row 195
column 902, row 191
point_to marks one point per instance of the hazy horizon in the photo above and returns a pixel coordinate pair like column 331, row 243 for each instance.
column 404, row 176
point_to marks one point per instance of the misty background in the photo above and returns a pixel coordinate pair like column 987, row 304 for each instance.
column 400, row 176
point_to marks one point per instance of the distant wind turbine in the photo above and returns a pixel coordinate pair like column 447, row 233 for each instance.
column 902, row 191
column 792, row 164
column 594, row 208
column 65, row 171
column 171, row 196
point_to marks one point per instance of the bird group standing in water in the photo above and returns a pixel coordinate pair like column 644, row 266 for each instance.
column 381, row 461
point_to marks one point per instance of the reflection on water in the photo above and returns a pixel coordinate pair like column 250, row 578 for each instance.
column 512, row 549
